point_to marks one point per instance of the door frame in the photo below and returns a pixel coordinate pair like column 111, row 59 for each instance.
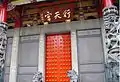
column 42, row 46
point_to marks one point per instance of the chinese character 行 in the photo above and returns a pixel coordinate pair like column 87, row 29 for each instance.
column 48, row 16
column 57, row 15
column 66, row 13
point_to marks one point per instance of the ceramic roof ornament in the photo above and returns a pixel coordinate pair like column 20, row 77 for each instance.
column 111, row 34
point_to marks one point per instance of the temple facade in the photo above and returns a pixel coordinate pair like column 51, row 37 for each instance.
column 61, row 42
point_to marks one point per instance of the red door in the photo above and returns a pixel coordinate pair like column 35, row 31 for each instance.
column 58, row 57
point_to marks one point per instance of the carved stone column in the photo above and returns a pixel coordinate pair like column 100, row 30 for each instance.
column 3, row 37
column 111, row 36
column 3, row 43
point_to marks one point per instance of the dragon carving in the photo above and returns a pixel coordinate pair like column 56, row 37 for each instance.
column 112, row 42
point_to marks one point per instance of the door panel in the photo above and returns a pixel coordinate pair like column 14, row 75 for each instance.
column 58, row 57
column 27, row 58
column 91, row 47
column 91, row 58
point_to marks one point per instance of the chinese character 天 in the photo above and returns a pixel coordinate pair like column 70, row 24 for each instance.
column 57, row 15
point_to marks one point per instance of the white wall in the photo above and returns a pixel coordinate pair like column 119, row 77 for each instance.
column 68, row 27
column 58, row 27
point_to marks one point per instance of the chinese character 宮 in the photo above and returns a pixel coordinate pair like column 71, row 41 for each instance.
column 48, row 16
column 66, row 13
column 57, row 15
